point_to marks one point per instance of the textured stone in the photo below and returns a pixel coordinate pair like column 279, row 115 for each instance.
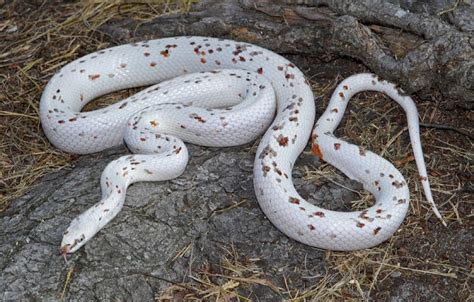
column 131, row 256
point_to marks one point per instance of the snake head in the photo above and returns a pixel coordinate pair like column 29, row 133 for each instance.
column 74, row 237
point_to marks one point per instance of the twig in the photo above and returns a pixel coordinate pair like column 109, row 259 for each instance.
column 67, row 281
column 446, row 127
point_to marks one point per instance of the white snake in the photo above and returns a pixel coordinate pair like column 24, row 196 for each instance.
column 215, row 107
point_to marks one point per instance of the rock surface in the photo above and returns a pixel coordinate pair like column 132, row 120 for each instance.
column 212, row 205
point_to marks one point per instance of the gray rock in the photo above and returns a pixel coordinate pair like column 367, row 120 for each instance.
column 136, row 253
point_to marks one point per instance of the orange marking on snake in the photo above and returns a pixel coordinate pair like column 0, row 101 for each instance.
column 316, row 150
column 94, row 76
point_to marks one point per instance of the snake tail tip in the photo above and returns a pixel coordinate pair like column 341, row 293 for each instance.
column 444, row 222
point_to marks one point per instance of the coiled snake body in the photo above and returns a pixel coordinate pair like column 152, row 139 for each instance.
column 222, row 93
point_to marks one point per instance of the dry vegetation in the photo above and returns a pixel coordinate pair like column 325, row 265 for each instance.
column 37, row 39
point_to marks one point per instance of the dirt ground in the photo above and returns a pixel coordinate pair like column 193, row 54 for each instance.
column 423, row 260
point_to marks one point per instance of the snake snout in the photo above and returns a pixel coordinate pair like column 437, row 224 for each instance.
column 72, row 241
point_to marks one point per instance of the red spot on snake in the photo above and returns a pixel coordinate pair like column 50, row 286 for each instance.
column 335, row 110
column 319, row 214
column 282, row 140
column 345, row 87
column 260, row 70
column 165, row 53
column 199, row 119
column 278, row 171
column 397, row 184
column 61, row 122
column 376, row 230
column 152, row 64
column 94, row 76
column 73, row 119
column 146, row 54
column 242, row 59
column 142, row 139
column 316, row 150
column 203, row 61
column 337, row 146
column 294, row 200
column 302, row 209
column 153, row 123
column 311, row 227
column 363, row 215
column 341, row 94
column 378, row 211
column 265, row 170
column 360, row 224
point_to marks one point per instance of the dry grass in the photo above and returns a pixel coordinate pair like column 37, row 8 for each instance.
column 36, row 40
column 220, row 282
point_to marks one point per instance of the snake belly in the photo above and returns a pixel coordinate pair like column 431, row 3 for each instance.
column 154, row 61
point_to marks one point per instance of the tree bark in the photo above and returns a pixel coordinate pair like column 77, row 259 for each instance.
column 424, row 54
